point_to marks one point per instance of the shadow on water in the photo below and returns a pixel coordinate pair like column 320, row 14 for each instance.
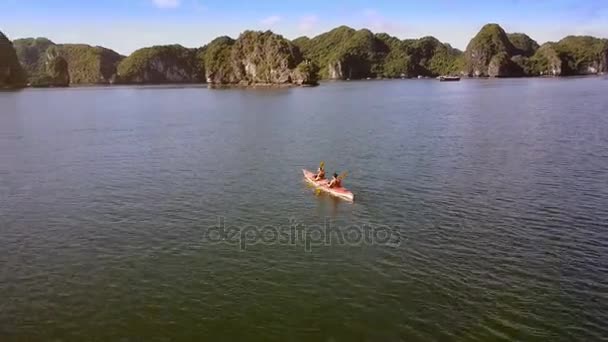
column 11, row 90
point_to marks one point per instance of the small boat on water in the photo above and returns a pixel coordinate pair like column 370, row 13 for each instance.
column 322, row 185
column 448, row 78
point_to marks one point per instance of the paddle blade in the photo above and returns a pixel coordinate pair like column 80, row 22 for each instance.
column 321, row 164
column 343, row 175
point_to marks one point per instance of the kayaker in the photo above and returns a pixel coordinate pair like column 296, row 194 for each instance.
column 320, row 173
column 335, row 181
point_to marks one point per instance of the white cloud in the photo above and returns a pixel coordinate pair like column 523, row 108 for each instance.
column 269, row 21
column 308, row 23
column 166, row 3
column 376, row 22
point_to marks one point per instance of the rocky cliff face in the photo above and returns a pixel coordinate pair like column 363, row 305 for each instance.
column 523, row 44
column 547, row 61
column 345, row 53
column 327, row 51
column 160, row 64
column 490, row 46
column 267, row 58
column 86, row 64
column 256, row 58
column 500, row 65
column 306, row 73
column 494, row 53
column 573, row 55
column 11, row 72
column 264, row 57
column 430, row 57
column 334, row 71
column 90, row 64
column 56, row 70
column 32, row 54
column 217, row 60
column 581, row 55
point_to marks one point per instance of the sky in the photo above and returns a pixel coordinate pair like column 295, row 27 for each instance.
column 126, row 25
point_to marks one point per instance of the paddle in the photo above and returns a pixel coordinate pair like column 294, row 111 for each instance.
column 321, row 164
column 343, row 175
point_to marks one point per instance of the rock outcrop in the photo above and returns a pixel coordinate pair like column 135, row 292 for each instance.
column 522, row 66
column 160, row 64
column 57, row 69
column 334, row 71
column 547, row 61
column 32, row 54
column 573, row 55
column 523, row 44
column 12, row 74
column 256, row 58
column 90, row 64
column 267, row 58
column 489, row 48
column 327, row 50
column 50, row 70
column 345, row 53
column 56, row 73
column 306, row 73
column 582, row 55
column 494, row 53
column 500, row 65
column 264, row 58
column 398, row 60
column 216, row 58
column 430, row 57
column 86, row 64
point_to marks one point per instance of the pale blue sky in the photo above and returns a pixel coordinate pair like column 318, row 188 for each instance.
column 125, row 25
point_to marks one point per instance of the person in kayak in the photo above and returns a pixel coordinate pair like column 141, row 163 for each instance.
column 335, row 181
column 320, row 173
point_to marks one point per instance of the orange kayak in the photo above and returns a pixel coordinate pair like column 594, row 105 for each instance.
column 322, row 185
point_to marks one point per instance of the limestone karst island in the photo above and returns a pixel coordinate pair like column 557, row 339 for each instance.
column 267, row 58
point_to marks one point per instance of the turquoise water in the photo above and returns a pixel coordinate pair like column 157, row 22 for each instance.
column 480, row 212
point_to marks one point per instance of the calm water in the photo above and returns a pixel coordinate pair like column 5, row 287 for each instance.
column 494, row 194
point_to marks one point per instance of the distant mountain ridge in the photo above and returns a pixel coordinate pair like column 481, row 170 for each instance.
column 266, row 58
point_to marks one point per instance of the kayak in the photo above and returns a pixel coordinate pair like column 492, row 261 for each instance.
column 323, row 185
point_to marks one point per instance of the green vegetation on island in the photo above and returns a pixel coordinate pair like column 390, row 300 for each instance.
column 161, row 64
column 90, row 64
column 264, row 58
column 53, row 72
column 488, row 53
column 85, row 64
column 523, row 44
column 345, row 53
column 257, row 57
column 494, row 53
column 582, row 55
column 32, row 53
column 215, row 57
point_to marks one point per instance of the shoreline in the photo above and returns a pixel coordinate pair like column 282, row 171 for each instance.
column 282, row 85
